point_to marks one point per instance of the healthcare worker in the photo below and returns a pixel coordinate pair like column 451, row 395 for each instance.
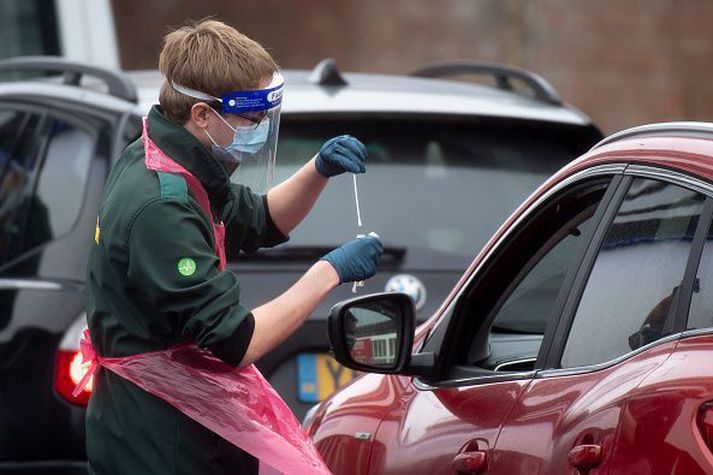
column 165, row 318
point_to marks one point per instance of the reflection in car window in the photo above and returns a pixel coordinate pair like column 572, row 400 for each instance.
column 701, row 310
column 39, row 201
column 438, row 188
column 19, row 147
column 636, row 275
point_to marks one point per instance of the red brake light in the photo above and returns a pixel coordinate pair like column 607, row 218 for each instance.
column 69, row 370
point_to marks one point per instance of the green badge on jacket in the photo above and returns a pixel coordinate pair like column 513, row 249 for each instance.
column 187, row 267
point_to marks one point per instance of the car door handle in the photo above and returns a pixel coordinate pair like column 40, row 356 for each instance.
column 585, row 456
column 470, row 462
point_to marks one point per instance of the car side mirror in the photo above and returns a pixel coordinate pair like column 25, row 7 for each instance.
column 373, row 333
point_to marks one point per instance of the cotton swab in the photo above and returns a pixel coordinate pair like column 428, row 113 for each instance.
column 359, row 223
column 356, row 201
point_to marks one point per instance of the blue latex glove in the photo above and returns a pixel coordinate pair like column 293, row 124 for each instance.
column 357, row 259
column 341, row 154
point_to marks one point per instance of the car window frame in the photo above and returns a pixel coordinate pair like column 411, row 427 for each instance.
column 444, row 332
column 696, row 256
column 553, row 359
column 48, row 112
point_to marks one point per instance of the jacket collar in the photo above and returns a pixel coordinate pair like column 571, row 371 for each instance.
column 184, row 148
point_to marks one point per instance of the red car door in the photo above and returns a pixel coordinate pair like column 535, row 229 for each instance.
column 619, row 324
column 564, row 423
column 490, row 340
column 667, row 424
column 429, row 429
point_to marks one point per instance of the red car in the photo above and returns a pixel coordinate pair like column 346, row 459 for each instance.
column 580, row 340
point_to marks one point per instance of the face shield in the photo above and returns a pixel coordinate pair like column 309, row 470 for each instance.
column 250, row 157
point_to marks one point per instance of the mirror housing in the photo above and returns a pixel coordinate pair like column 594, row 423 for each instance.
column 373, row 333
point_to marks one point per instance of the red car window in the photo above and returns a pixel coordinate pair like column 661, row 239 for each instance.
column 627, row 302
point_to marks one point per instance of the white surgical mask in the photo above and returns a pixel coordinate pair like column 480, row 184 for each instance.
column 246, row 141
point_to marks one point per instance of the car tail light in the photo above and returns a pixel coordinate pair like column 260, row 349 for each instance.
column 69, row 369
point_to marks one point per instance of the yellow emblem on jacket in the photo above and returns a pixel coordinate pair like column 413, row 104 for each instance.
column 97, row 232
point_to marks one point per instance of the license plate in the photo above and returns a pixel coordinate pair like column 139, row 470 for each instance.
column 319, row 375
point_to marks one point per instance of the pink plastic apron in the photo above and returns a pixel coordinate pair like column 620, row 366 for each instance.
column 237, row 404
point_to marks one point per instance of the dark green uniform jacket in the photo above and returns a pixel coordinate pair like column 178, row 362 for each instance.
column 141, row 299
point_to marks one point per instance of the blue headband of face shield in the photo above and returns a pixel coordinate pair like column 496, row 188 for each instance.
column 247, row 140
column 238, row 102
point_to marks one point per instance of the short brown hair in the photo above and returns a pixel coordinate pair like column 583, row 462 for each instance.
column 211, row 57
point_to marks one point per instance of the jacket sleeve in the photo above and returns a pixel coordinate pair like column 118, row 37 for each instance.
column 174, row 268
column 248, row 225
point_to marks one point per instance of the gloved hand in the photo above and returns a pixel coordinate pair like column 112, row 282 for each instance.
column 357, row 259
column 341, row 154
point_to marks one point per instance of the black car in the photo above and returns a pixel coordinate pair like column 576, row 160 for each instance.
column 448, row 161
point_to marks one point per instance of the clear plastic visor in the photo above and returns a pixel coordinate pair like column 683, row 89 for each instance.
column 257, row 169
column 255, row 143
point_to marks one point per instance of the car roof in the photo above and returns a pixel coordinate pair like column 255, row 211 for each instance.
column 326, row 91
column 685, row 147
column 51, row 92
column 389, row 94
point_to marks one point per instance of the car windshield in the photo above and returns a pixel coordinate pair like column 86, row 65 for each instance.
column 435, row 189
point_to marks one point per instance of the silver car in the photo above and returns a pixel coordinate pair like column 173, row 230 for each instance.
column 448, row 162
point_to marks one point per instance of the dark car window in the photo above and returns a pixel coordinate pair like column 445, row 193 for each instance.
column 438, row 188
column 636, row 276
column 41, row 197
column 538, row 260
column 527, row 309
column 19, row 148
column 28, row 27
